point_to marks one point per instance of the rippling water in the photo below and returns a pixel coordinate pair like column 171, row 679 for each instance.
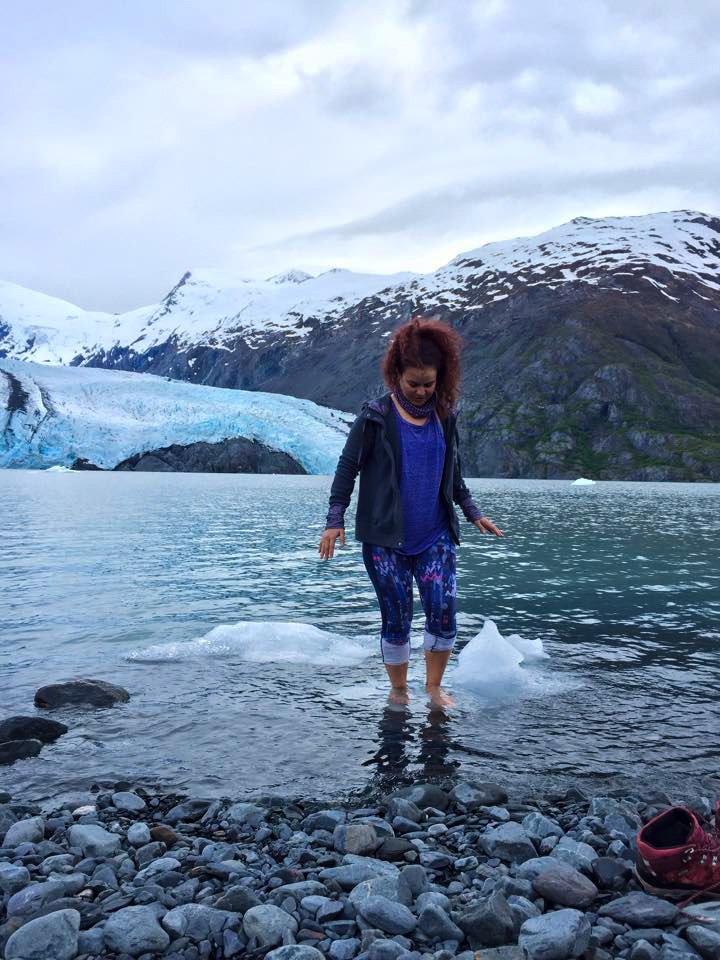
column 253, row 666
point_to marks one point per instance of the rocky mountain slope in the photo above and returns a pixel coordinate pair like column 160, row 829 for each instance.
column 591, row 348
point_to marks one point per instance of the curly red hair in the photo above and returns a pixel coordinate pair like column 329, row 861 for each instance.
column 425, row 341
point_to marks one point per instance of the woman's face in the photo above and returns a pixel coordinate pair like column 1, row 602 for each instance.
column 418, row 384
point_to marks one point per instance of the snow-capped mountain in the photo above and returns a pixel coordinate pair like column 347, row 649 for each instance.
column 205, row 308
column 208, row 308
column 52, row 415
column 590, row 349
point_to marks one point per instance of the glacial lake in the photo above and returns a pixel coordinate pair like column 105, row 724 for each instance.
column 254, row 667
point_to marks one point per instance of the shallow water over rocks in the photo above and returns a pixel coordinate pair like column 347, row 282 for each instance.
column 254, row 666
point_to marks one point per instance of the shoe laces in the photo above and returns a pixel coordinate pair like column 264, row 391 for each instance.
column 707, row 845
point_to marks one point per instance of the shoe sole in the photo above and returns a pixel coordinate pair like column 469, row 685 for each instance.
column 673, row 893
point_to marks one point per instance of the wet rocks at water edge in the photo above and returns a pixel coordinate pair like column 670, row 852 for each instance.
column 23, row 737
column 80, row 692
column 426, row 873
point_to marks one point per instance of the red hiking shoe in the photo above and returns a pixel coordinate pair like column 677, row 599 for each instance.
column 677, row 857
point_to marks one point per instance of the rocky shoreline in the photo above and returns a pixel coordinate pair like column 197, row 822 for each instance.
column 428, row 872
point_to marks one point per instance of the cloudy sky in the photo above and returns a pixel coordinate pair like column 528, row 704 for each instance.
column 140, row 139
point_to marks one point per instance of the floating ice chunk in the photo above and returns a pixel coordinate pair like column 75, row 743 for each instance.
column 58, row 468
column 581, row 482
column 530, row 648
column 492, row 663
column 265, row 641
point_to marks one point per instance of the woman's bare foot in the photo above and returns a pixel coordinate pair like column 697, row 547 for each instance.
column 400, row 695
column 440, row 697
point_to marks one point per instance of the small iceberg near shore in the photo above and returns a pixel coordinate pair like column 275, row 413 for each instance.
column 582, row 482
column 493, row 664
column 264, row 641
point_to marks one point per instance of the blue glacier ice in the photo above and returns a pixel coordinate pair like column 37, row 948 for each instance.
column 105, row 416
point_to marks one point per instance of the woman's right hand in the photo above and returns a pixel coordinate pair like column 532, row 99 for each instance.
column 327, row 541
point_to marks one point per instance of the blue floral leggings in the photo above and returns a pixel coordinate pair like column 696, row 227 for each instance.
column 392, row 575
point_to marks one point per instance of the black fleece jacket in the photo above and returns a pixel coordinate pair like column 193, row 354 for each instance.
column 373, row 449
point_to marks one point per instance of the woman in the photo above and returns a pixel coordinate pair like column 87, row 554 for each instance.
column 405, row 447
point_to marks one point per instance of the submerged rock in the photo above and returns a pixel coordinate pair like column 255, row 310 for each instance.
column 80, row 692
column 19, row 750
column 31, row 728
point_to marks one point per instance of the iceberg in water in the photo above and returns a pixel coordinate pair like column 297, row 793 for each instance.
column 264, row 641
column 582, row 482
column 491, row 663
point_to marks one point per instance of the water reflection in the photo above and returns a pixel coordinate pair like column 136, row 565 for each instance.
column 396, row 737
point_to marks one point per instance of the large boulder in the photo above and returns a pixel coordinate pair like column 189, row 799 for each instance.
column 128, row 802
column 54, row 936
column 90, row 913
column 18, row 750
column 509, row 842
column 268, row 924
column 13, row 878
column 32, row 898
column 135, row 930
column 31, row 728
column 537, row 826
column 323, row 820
column 424, row 795
column 358, row 838
column 434, row 922
column 394, row 888
column 295, row 951
column 31, row 830
column 187, row 812
column 355, row 869
column 565, row 886
column 639, row 909
column 80, row 692
column 245, row 815
column 195, row 921
column 93, row 840
column 488, row 923
column 386, row 915
column 473, row 795
column 556, row 936
column 579, row 855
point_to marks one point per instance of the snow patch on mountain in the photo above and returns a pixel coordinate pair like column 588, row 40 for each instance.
column 205, row 307
column 51, row 415
column 213, row 308
column 612, row 253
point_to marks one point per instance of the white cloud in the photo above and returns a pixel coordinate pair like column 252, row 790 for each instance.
column 142, row 139
column 596, row 99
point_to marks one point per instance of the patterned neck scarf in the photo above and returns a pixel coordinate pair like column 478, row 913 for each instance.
column 418, row 412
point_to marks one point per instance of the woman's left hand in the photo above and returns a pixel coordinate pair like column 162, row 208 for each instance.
column 483, row 524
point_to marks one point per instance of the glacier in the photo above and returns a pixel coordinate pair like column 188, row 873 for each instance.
column 52, row 415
